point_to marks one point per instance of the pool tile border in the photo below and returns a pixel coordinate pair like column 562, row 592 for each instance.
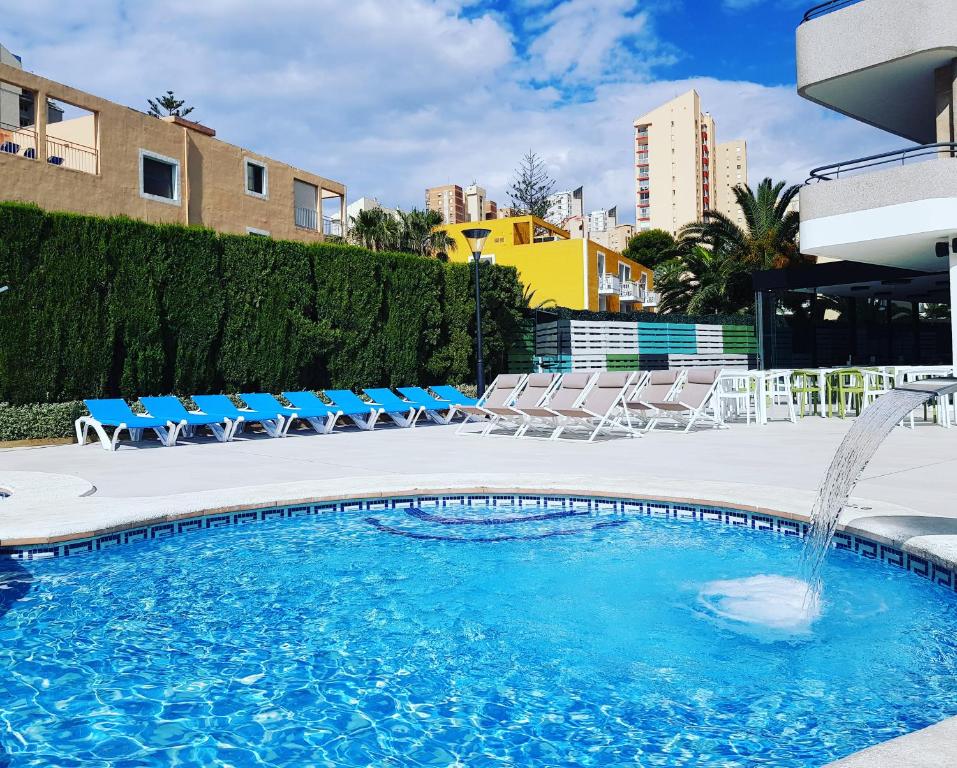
column 937, row 573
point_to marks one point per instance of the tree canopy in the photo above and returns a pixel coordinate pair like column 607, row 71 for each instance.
column 532, row 186
column 168, row 106
column 650, row 248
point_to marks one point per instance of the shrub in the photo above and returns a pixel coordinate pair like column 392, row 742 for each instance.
column 38, row 421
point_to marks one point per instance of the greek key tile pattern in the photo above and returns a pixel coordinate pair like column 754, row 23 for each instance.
column 936, row 573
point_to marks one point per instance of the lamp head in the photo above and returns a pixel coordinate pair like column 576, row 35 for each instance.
column 476, row 238
column 4, row 288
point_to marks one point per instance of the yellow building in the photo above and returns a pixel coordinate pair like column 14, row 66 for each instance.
column 67, row 150
column 574, row 273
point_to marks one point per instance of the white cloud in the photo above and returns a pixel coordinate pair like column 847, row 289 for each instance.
column 390, row 96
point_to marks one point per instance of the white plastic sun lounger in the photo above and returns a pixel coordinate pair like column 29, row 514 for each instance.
column 692, row 402
column 501, row 392
column 569, row 393
column 537, row 388
column 600, row 406
column 659, row 387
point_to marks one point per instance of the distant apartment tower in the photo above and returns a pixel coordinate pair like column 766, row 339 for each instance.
column 598, row 220
column 604, row 229
column 676, row 172
column 730, row 169
column 449, row 200
column 567, row 210
column 474, row 203
column 458, row 205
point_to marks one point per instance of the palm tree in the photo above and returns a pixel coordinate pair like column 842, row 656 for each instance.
column 374, row 229
column 528, row 300
column 711, row 264
column 702, row 281
column 769, row 238
column 419, row 233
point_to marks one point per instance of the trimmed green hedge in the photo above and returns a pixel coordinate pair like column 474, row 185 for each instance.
column 38, row 421
column 563, row 313
column 116, row 307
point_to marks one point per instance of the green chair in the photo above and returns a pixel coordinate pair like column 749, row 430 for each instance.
column 805, row 387
column 845, row 391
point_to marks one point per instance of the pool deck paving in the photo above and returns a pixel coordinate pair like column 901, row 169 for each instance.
column 907, row 495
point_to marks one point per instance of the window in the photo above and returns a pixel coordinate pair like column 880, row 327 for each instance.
column 159, row 178
column 257, row 179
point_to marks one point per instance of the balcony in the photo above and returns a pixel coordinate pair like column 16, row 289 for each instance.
column 628, row 291
column 608, row 285
column 652, row 299
column 874, row 60
column 887, row 209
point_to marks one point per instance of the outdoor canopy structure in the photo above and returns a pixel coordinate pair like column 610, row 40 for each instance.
column 846, row 312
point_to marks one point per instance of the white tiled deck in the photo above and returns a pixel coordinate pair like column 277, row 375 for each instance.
column 909, row 489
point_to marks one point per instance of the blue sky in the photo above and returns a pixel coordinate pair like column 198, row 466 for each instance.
column 390, row 96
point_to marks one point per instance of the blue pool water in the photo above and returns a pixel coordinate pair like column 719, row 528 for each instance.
column 424, row 638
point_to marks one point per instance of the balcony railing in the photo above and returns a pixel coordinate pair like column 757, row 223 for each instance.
column 652, row 299
column 331, row 226
column 307, row 218
column 69, row 154
column 608, row 284
column 897, row 157
column 628, row 291
column 18, row 141
column 825, row 8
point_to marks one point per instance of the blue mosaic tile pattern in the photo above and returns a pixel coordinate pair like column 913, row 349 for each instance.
column 934, row 572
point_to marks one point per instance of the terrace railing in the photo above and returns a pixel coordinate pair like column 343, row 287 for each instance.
column 825, row 8
column 943, row 150
column 15, row 140
column 307, row 218
column 70, row 154
column 608, row 284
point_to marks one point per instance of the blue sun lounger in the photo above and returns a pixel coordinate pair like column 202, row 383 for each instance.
column 116, row 413
column 321, row 418
column 402, row 412
column 363, row 415
column 222, row 406
column 440, row 411
column 452, row 394
column 184, row 422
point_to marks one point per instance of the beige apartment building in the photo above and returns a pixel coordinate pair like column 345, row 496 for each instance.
column 677, row 173
column 81, row 153
column 449, row 200
column 730, row 168
column 458, row 205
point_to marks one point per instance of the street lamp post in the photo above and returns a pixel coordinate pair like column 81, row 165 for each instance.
column 476, row 240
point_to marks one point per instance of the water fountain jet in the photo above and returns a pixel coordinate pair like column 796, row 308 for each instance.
column 852, row 456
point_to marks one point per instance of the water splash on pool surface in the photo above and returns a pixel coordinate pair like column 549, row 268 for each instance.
column 778, row 603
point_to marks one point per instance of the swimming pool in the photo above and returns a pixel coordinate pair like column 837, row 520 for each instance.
column 459, row 635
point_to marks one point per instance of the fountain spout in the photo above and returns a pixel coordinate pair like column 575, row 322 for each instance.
column 859, row 445
column 932, row 387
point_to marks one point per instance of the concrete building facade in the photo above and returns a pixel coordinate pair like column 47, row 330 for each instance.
column 448, row 200
column 676, row 173
column 112, row 160
column 573, row 272
column 730, row 168
column 458, row 205
column 883, row 64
